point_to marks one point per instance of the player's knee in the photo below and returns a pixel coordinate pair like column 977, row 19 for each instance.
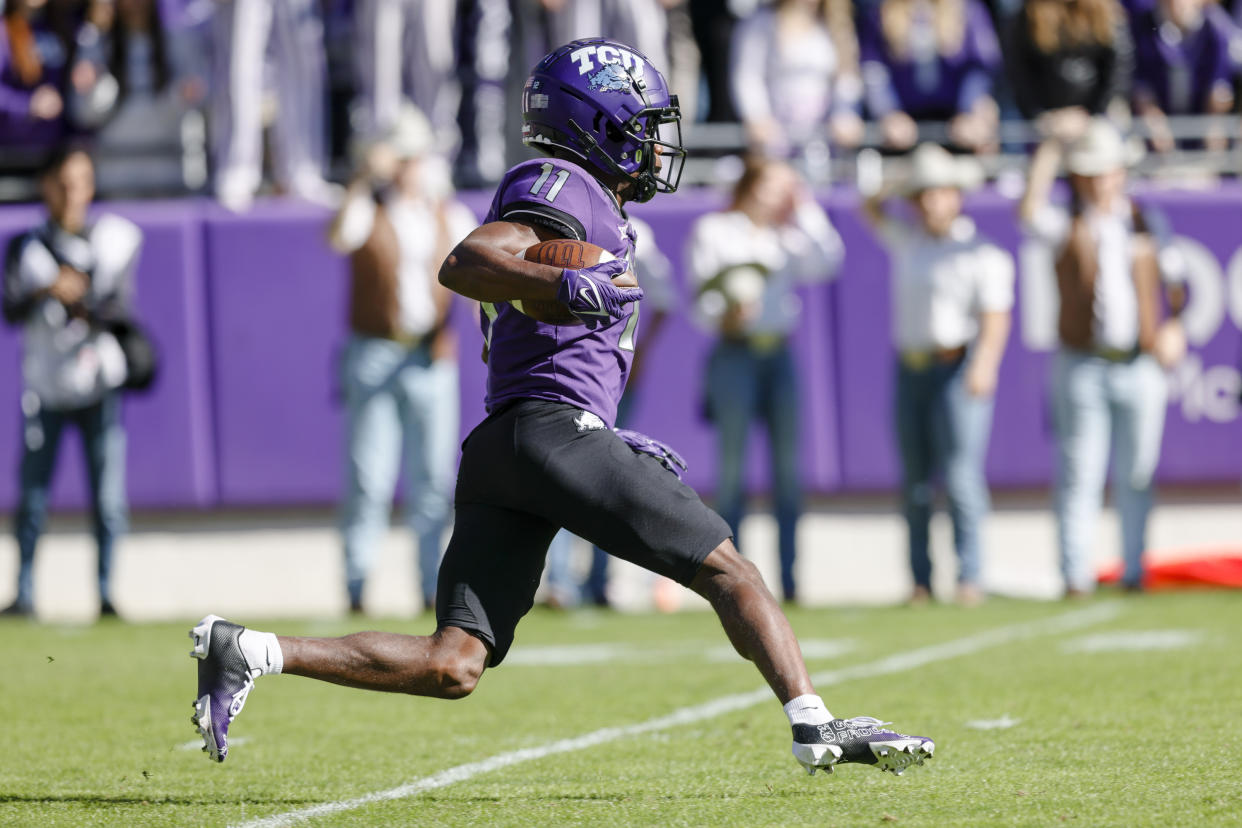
column 458, row 677
column 725, row 570
column 457, row 666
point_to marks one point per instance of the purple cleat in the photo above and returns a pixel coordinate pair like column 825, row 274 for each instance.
column 862, row 740
column 224, row 682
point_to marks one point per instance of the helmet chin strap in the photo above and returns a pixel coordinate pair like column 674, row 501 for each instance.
column 643, row 189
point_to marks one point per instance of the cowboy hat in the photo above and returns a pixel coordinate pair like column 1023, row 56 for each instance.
column 932, row 166
column 1101, row 149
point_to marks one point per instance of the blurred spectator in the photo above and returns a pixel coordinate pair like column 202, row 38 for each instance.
column 66, row 282
column 931, row 60
column 1107, row 377
column 952, row 296
column 34, row 59
column 642, row 24
column 537, row 27
column 746, row 263
column 795, row 78
column 406, row 50
column 1182, row 65
column 339, row 66
column 245, row 32
column 713, row 23
column 398, row 222
column 1068, row 60
column 134, row 84
column 483, row 67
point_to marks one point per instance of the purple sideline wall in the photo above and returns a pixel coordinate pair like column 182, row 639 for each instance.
column 249, row 312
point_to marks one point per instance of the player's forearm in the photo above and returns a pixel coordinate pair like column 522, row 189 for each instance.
column 487, row 273
column 486, row 265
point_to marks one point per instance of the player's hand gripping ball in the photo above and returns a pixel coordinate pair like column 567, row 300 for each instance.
column 580, row 258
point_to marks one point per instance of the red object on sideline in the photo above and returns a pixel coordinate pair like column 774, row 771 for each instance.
column 1221, row 568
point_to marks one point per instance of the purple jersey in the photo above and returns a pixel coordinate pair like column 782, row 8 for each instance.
column 583, row 365
column 1182, row 70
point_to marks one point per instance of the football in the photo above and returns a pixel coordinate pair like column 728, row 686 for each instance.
column 574, row 255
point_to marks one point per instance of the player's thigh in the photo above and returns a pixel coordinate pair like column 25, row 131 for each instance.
column 490, row 572
column 632, row 507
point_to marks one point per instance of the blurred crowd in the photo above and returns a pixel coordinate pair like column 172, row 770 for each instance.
column 378, row 107
column 238, row 96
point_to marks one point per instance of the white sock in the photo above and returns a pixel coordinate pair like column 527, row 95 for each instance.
column 262, row 651
column 808, row 709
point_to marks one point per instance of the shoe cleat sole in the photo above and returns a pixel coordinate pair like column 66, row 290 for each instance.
column 895, row 758
column 202, row 723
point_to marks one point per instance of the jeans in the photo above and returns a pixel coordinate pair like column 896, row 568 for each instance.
column 103, row 439
column 942, row 430
column 398, row 400
column 1096, row 402
column 745, row 384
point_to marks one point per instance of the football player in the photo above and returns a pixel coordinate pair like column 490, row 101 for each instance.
column 547, row 456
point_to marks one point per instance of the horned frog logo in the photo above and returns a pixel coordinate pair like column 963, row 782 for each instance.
column 611, row 78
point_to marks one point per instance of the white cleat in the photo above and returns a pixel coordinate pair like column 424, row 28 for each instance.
column 861, row 740
column 224, row 682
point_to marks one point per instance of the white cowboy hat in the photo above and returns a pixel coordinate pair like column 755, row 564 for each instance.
column 931, row 166
column 409, row 136
column 1101, row 149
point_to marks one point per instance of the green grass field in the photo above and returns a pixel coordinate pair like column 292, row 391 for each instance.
column 1122, row 712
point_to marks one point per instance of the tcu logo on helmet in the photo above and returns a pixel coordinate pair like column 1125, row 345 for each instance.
column 604, row 56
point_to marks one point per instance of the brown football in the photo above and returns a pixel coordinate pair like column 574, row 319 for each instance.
column 574, row 255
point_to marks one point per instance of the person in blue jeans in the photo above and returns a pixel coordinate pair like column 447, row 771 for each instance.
column 746, row 263
column 399, row 372
column 952, row 295
column 65, row 281
column 1108, row 383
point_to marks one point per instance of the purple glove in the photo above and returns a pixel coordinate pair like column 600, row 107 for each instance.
column 643, row 444
column 590, row 293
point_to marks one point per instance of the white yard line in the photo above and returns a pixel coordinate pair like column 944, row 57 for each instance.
column 897, row 663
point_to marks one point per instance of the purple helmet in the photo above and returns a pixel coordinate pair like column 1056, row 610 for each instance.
column 605, row 103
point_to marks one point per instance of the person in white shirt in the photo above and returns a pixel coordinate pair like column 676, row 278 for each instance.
column 952, row 295
column 1107, row 377
column 397, row 224
column 795, row 79
column 746, row 263
column 67, row 283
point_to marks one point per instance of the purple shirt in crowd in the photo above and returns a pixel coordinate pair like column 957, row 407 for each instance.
column 924, row 83
column 583, row 365
column 17, row 127
column 1179, row 70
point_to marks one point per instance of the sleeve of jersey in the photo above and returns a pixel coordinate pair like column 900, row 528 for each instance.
column 549, row 195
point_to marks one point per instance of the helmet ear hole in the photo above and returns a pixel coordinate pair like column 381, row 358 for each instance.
column 599, row 116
